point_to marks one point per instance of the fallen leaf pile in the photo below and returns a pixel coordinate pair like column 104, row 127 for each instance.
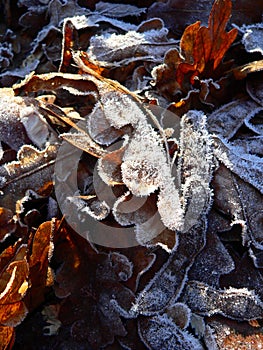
column 131, row 167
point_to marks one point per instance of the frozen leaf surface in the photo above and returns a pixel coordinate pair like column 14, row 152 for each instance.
column 119, row 10
column 159, row 332
column 239, row 304
column 33, row 168
column 252, row 39
column 114, row 50
column 228, row 119
column 247, row 166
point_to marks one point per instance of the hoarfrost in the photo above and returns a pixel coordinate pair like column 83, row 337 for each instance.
column 159, row 332
column 116, row 49
column 248, row 167
column 235, row 303
column 253, row 37
column 228, row 119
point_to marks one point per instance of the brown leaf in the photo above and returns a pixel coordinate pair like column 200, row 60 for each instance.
column 32, row 170
column 7, row 225
column 38, row 262
column 88, row 281
column 54, row 81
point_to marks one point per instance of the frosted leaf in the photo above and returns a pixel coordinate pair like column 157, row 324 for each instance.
column 33, row 169
column 142, row 161
column 145, row 169
column 82, row 141
column 100, row 129
column 21, row 121
column 250, row 145
column 248, row 167
column 152, row 232
column 253, row 37
column 169, row 281
column 109, row 167
column 95, row 208
column 12, row 130
column 159, row 332
column 118, row 10
column 120, row 110
column 228, row 119
column 121, row 49
column 180, row 314
column 213, row 261
column 144, row 164
column 254, row 121
column 195, row 167
column 121, row 266
column 235, row 303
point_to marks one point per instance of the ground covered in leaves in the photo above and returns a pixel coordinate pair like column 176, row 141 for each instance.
column 131, row 167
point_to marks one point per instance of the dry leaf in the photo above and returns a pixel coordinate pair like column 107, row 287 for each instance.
column 14, row 285
column 7, row 224
column 7, row 335
column 32, row 169
column 38, row 262
column 201, row 52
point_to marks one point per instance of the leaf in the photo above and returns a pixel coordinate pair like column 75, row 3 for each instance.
column 21, row 121
column 247, row 166
column 201, row 51
column 119, row 10
column 168, row 282
column 111, row 50
column 214, row 40
column 212, row 262
column 235, row 303
column 88, row 295
column 32, row 169
column 252, row 38
column 38, row 262
column 159, row 332
column 54, row 81
column 6, row 337
column 13, row 286
column 228, row 119
column 7, row 224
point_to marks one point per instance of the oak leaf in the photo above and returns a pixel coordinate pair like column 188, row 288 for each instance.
column 201, row 50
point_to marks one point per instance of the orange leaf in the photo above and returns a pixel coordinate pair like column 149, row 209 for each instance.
column 213, row 41
column 14, row 285
column 203, row 48
column 39, row 263
column 6, row 337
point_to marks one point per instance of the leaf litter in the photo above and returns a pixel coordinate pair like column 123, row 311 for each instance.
column 191, row 192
